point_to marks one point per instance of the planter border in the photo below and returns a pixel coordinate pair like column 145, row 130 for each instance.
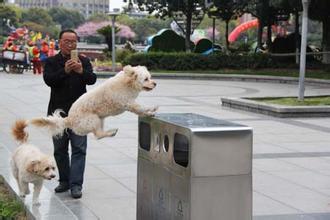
column 276, row 110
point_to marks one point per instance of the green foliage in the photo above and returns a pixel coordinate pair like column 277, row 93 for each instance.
column 2, row 39
column 9, row 207
column 319, row 10
column 193, row 10
column 37, row 15
column 241, row 47
column 8, row 12
column 193, row 61
column 68, row 19
column 226, row 9
column 106, row 31
column 98, row 17
column 52, row 30
column 144, row 27
column 122, row 54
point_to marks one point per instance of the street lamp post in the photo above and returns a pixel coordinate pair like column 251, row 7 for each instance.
column 303, row 50
column 113, row 14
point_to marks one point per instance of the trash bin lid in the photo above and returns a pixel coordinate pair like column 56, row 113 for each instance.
column 199, row 123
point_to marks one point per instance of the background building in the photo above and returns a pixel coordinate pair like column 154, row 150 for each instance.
column 86, row 7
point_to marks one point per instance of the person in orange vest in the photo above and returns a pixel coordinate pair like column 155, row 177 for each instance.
column 37, row 65
column 51, row 51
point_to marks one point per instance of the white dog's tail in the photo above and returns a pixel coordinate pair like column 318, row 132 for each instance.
column 18, row 131
column 55, row 123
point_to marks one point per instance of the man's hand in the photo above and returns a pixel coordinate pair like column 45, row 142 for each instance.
column 73, row 65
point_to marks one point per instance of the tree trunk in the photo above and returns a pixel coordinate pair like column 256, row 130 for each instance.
column 188, row 32
column 326, row 40
column 259, row 40
column 269, row 35
column 227, row 41
column 188, row 25
column 108, row 41
column 296, row 35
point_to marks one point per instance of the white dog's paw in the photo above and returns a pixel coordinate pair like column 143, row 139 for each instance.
column 154, row 109
column 151, row 111
column 112, row 132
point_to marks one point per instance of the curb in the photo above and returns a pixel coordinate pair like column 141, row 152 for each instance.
column 276, row 110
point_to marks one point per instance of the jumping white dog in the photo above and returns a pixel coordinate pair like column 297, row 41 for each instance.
column 113, row 97
column 29, row 164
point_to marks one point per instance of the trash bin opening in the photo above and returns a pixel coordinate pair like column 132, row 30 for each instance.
column 144, row 136
column 166, row 143
column 157, row 142
column 181, row 150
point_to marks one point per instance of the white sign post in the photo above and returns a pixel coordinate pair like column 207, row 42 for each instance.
column 303, row 50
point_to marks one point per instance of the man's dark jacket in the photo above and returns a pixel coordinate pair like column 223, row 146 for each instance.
column 66, row 88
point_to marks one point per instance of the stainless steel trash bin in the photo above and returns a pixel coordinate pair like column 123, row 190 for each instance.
column 193, row 167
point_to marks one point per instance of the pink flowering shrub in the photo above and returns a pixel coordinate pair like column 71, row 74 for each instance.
column 90, row 29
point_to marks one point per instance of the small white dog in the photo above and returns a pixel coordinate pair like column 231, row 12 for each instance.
column 113, row 97
column 29, row 164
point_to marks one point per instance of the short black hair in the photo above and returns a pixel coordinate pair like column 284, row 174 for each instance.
column 67, row 31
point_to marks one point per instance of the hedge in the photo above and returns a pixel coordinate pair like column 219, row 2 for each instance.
column 193, row 61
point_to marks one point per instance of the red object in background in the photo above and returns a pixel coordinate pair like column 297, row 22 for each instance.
column 35, row 52
column 241, row 28
column 44, row 47
column 37, row 65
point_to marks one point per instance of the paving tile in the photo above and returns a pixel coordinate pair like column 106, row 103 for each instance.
column 264, row 205
column 291, row 156
column 120, row 170
column 114, row 208
column 105, row 188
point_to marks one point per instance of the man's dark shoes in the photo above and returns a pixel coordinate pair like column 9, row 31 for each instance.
column 62, row 187
column 76, row 192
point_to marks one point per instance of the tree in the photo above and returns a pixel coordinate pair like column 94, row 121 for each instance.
column 98, row 17
column 68, row 19
column 8, row 16
column 90, row 29
column 186, row 13
column 52, row 30
column 37, row 15
column 226, row 10
column 145, row 26
column 106, row 31
column 268, row 13
column 319, row 10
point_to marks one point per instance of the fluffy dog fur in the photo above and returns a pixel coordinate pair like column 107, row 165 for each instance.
column 29, row 164
column 113, row 97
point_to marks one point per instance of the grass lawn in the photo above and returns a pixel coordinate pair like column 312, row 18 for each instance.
column 293, row 101
column 9, row 207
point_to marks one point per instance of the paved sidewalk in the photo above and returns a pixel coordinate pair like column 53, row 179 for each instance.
column 291, row 165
